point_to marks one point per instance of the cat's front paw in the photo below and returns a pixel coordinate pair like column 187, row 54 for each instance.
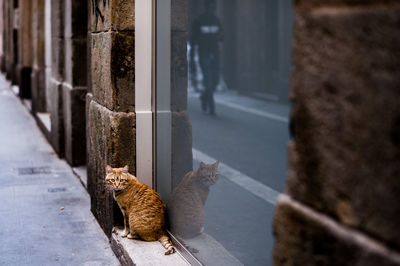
column 132, row 236
column 125, row 233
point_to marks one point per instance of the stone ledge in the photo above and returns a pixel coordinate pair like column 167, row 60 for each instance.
column 81, row 173
column 209, row 251
column 45, row 120
column 137, row 252
column 307, row 237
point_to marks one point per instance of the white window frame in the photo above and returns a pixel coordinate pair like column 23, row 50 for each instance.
column 144, row 88
column 153, row 93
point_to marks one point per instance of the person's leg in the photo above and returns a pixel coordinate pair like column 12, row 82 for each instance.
column 206, row 69
column 214, row 79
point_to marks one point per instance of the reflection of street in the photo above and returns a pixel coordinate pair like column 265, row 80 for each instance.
column 249, row 137
column 251, row 143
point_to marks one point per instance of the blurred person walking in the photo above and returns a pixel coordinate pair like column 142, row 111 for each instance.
column 206, row 35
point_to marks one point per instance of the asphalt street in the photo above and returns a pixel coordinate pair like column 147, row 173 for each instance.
column 252, row 144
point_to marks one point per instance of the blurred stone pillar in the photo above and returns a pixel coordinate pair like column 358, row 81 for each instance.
column 5, row 36
column 343, row 187
column 25, row 56
column 15, row 29
column 38, row 60
column 2, row 18
column 9, row 38
column 54, row 90
column 111, row 125
column 75, row 82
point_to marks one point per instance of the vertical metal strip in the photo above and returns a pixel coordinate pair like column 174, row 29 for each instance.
column 144, row 54
column 163, row 97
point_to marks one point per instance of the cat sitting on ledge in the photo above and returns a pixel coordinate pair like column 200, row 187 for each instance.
column 142, row 207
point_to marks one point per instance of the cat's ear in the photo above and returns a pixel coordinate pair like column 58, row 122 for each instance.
column 202, row 165
column 108, row 169
column 125, row 169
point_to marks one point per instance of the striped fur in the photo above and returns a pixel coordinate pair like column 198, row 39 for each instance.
column 167, row 244
column 142, row 207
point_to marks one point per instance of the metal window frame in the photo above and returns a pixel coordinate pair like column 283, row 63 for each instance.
column 144, row 89
column 153, row 100
column 163, row 122
column 153, row 93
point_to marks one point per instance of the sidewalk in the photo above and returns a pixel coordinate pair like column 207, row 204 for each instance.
column 45, row 216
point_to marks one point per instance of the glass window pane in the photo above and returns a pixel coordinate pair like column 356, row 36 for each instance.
column 237, row 104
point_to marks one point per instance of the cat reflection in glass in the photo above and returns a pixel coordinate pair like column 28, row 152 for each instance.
column 142, row 207
column 187, row 201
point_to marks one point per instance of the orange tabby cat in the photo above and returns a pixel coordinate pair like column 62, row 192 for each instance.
column 142, row 207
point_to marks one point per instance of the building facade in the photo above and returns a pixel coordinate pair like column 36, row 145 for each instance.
column 107, row 82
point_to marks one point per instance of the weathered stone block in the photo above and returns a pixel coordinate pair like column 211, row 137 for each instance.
column 88, row 62
column 74, row 124
column 75, row 62
column 346, row 120
column 111, row 137
column 56, row 116
column 38, row 33
column 112, row 70
column 306, row 237
column 24, row 34
column 57, row 18
column 38, row 90
column 76, row 18
column 112, row 15
column 178, row 71
column 57, row 58
column 100, row 68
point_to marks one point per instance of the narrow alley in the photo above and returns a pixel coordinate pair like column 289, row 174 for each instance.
column 270, row 130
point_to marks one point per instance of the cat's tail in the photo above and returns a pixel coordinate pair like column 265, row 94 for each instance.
column 167, row 244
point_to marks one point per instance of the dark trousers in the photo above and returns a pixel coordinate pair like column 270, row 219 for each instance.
column 209, row 64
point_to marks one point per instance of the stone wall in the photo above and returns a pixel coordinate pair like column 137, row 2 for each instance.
column 38, row 62
column 54, row 90
column 110, row 104
column 3, row 35
column 342, row 188
column 25, row 57
column 75, row 82
column 9, row 38
column 15, row 24
column 2, row 17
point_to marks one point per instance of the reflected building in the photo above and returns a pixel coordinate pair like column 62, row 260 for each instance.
column 256, row 51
